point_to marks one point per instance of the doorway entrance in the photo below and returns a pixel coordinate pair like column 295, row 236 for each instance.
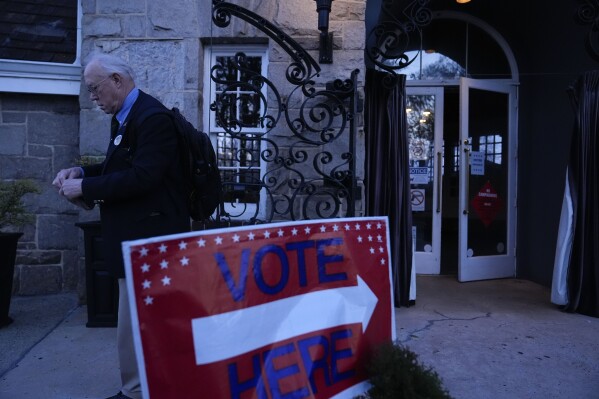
column 462, row 173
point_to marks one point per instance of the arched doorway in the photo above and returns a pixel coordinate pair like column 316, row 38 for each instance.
column 462, row 122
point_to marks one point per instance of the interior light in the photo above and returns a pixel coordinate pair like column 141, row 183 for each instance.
column 408, row 109
column 422, row 120
column 463, row 1
column 426, row 113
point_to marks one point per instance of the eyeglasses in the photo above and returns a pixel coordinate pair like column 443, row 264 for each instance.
column 94, row 88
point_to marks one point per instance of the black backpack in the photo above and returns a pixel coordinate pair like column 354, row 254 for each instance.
column 199, row 164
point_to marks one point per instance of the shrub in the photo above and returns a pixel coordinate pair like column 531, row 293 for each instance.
column 396, row 373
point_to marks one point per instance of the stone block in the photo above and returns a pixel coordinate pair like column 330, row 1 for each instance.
column 37, row 257
column 168, row 21
column 40, row 102
column 25, row 168
column 65, row 157
column 353, row 36
column 40, row 280
column 122, row 7
column 14, row 117
column 53, row 128
column 94, row 132
column 134, row 26
column 40, row 151
column 88, row 7
column 70, row 270
column 57, row 232
column 12, row 139
column 102, row 26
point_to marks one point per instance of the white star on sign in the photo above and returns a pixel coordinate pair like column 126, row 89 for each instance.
column 372, row 250
column 280, row 233
column 145, row 268
column 379, row 238
column 360, row 238
column 147, row 284
column 182, row 245
column 218, row 240
column 166, row 280
column 164, row 264
column 368, row 226
column 370, row 238
column 381, row 250
column 235, row 238
column 379, row 226
column 148, row 300
column 162, row 248
column 307, row 230
column 267, row 234
column 184, row 261
column 335, row 228
column 323, row 229
column 294, row 231
column 347, row 227
column 383, row 262
column 251, row 236
column 143, row 252
column 357, row 226
column 201, row 242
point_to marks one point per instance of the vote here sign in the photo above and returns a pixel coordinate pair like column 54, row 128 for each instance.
column 285, row 310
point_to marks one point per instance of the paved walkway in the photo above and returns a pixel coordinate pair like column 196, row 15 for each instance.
column 492, row 339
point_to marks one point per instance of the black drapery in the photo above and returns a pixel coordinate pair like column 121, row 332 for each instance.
column 387, row 173
column 583, row 179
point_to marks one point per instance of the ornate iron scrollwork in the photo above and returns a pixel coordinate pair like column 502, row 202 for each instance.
column 306, row 144
column 588, row 13
column 389, row 41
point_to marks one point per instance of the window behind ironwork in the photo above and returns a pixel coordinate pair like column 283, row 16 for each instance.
column 241, row 107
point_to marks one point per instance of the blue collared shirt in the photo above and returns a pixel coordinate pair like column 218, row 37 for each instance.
column 121, row 116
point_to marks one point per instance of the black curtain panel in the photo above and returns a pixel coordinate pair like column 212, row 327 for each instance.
column 583, row 178
column 387, row 173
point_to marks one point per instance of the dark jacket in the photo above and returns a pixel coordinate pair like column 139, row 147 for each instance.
column 139, row 186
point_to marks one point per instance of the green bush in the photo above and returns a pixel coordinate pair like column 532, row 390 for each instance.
column 12, row 212
column 396, row 373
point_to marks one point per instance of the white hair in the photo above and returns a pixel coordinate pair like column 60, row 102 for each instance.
column 111, row 64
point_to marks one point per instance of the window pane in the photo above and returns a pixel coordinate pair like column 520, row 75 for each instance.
column 39, row 32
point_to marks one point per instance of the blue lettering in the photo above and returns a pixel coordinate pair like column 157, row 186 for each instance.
column 301, row 258
column 323, row 259
column 255, row 382
column 237, row 291
column 336, row 355
column 312, row 365
column 259, row 276
column 273, row 375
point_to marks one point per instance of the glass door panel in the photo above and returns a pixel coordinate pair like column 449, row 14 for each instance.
column 487, row 181
column 424, row 112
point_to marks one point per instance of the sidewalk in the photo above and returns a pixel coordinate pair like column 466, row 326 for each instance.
column 491, row 339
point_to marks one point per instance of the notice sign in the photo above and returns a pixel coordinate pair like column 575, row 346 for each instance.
column 487, row 204
column 285, row 310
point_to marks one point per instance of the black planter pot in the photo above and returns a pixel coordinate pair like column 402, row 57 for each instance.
column 8, row 255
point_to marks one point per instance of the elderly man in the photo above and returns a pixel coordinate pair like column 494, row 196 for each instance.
column 138, row 186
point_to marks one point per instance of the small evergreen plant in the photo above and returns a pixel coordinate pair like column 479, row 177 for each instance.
column 396, row 373
column 12, row 211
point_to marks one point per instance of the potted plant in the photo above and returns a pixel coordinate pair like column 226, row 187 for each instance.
column 12, row 216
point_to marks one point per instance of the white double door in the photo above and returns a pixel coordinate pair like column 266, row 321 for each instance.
column 462, row 143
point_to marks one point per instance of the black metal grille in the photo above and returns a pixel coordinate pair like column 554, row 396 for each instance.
column 301, row 164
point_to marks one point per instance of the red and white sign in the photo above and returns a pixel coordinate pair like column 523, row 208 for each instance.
column 285, row 310
column 487, row 204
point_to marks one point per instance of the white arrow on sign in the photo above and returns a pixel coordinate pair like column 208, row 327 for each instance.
column 230, row 334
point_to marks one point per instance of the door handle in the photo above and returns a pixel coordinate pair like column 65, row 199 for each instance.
column 467, row 182
column 439, row 159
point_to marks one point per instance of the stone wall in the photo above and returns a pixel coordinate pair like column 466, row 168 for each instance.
column 38, row 137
